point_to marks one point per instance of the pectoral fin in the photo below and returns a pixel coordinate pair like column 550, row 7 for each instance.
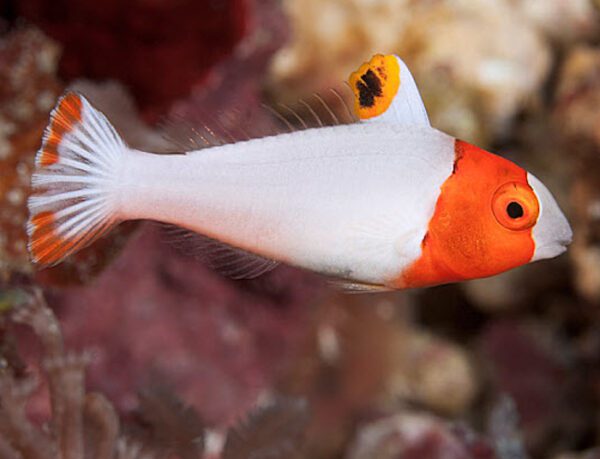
column 359, row 287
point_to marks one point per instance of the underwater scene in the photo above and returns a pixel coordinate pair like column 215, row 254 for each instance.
column 274, row 229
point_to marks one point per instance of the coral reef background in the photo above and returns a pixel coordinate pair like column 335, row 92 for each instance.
column 506, row 367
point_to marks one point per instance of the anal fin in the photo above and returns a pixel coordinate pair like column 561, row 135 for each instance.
column 225, row 259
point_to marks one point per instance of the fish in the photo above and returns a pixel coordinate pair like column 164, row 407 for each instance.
column 385, row 203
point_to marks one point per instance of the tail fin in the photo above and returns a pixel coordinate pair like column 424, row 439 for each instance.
column 73, row 186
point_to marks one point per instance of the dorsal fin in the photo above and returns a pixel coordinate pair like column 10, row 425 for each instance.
column 385, row 90
column 228, row 126
column 225, row 259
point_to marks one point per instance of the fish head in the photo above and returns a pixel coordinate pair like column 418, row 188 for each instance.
column 491, row 216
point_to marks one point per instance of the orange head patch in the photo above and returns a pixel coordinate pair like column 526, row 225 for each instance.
column 375, row 85
column 482, row 224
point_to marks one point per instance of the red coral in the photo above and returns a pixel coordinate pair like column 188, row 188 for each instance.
column 155, row 316
column 529, row 372
column 158, row 48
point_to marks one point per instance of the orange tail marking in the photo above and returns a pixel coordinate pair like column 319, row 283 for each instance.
column 66, row 115
column 47, row 247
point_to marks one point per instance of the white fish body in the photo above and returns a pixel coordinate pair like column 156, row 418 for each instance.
column 351, row 201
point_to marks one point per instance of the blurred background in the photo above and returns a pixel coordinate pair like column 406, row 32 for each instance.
column 506, row 367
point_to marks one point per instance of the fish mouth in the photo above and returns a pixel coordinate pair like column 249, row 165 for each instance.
column 552, row 250
column 566, row 242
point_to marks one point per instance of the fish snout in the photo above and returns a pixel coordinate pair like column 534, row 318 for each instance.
column 552, row 232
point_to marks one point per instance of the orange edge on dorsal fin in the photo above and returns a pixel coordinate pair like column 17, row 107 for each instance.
column 63, row 119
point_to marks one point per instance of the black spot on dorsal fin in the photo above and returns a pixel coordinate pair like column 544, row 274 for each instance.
column 369, row 87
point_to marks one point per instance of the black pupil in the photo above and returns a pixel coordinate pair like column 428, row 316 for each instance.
column 514, row 210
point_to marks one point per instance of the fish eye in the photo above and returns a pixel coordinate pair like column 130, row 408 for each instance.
column 515, row 206
column 514, row 210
